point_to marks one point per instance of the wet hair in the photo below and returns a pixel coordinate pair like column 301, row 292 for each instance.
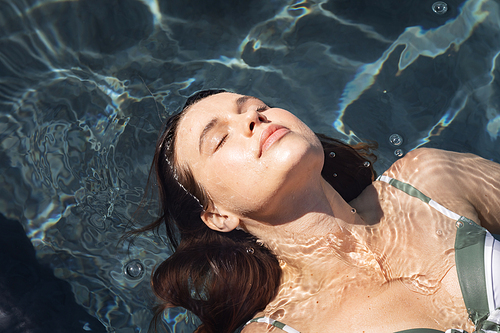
column 226, row 277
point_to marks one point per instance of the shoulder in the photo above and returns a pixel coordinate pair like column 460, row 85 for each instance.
column 429, row 162
column 439, row 174
column 427, row 155
column 260, row 328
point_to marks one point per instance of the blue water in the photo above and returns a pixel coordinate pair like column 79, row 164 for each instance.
column 86, row 84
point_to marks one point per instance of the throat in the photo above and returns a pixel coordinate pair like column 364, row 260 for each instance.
column 324, row 268
column 339, row 251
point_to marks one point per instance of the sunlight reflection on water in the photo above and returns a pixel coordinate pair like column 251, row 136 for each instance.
column 86, row 85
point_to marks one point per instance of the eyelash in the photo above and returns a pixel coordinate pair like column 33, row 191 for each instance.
column 221, row 142
column 262, row 108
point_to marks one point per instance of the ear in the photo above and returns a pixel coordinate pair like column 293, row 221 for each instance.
column 219, row 220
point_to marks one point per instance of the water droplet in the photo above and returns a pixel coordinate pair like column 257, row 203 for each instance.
column 250, row 250
column 335, row 175
column 399, row 152
column 459, row 224
column 439, row 232
column 439, row 7
column 396, row 140
column 366, row 164
column 134, row 269
column 332, row 154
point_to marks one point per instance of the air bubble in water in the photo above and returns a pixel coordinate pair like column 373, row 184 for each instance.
column 134, row 269
column 439, row 7
column 398, row 152
column 396, row 140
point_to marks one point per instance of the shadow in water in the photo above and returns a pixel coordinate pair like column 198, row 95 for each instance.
column 32, row 299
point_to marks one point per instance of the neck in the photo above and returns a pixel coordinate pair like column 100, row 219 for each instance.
column 320, row 225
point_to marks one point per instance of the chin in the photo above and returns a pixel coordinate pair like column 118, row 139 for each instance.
column 299, row 158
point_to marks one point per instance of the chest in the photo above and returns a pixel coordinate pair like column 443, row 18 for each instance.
column 410, row 234
column 402, row 275
column 364, row 304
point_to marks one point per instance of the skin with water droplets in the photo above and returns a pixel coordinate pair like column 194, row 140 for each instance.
column 368, row 273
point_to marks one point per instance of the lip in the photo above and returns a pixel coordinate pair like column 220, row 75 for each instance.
column 270, row 135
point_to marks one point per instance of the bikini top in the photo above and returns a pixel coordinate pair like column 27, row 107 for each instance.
column 474, row 261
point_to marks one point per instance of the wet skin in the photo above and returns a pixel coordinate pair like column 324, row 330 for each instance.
column 387, row 268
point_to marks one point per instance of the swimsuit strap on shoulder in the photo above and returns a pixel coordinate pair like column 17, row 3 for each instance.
column 274, row 323
column 410, row 190
column 469, row 254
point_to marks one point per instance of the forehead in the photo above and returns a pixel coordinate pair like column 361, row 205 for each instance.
column 198, row 115
column 211, row 106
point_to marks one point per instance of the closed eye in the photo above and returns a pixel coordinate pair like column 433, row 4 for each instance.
column 262, row 108
column 221, row 142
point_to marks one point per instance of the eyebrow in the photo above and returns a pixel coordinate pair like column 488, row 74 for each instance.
column 211, row 124
column 240, row 101
column 243, row 99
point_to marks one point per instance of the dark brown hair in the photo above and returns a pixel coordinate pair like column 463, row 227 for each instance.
column 225, row 278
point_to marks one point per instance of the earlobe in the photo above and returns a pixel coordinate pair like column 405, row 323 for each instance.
column 220, row 222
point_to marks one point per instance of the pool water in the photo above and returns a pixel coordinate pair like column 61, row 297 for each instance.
column 85, row 86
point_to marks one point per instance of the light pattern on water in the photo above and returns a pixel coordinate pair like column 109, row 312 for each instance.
column 86, row 85
column 417, row 42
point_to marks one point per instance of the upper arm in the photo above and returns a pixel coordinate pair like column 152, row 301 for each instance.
column 460, row 182
column 480, row 178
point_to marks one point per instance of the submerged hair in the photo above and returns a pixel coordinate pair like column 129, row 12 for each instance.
column 225, row 278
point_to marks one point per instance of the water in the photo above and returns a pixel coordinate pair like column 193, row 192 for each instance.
column 85, row 86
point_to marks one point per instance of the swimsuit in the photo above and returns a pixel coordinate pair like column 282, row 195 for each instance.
column 477, row 258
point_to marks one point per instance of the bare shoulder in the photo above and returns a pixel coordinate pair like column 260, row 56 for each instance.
column 423, row 156
column 465, row 183
column 421, row 165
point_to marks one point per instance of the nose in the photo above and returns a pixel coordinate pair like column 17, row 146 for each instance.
column 253, row 118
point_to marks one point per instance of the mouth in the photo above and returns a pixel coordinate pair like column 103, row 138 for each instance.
column 270, row 135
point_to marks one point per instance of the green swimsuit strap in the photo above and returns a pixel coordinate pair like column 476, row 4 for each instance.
column 274, row 323
column 469, row 253
column 289, row 329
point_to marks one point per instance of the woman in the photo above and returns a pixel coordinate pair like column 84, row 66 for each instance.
column 263, row 235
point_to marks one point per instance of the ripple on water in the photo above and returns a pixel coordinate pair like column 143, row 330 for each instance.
column 85, row 86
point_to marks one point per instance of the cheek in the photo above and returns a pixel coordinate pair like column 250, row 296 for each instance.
column 229, row 176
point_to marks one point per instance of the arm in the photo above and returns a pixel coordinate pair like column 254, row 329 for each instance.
column 481, row 178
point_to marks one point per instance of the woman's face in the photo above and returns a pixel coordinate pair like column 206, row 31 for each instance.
column 247, row 157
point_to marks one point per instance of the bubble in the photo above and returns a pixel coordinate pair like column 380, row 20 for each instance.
column 332, row 154
column 439, row 232
column 335, row 175
column 250, row 250
column 366, row 164
column 134, row 269
column 398, row 152
column 396, row 139
column 439, row 7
